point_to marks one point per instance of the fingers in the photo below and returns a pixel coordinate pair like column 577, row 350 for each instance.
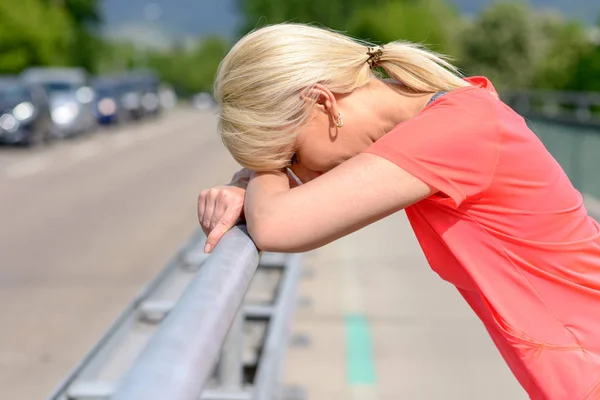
column 209, row 206
column 201, row 202
column 224, row 224
column 206, row 206
column 218, row 211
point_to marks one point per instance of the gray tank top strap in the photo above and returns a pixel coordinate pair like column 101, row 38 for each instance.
column 436, row 96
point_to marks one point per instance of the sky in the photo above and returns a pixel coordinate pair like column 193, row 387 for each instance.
column 177, row 17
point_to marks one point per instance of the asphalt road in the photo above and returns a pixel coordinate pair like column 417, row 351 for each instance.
column 84, row 225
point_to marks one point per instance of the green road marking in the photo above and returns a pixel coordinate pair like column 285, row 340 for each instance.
column 359, row 355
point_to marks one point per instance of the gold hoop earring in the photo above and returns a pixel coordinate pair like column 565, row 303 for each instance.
column 339, row 122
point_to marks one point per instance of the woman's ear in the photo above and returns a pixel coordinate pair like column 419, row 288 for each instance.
column 322, row 97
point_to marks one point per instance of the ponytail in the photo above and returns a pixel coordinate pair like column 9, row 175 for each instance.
column 418, row 68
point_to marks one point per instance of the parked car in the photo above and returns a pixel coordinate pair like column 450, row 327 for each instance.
column 109, row 106
column 151, row 97
column 142, row 96
column 70, row 98
column 24, row 113
column 131, row 98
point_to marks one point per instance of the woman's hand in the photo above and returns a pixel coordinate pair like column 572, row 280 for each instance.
column 220, row 207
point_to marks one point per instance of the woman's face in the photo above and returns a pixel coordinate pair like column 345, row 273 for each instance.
column 368, row 113
column 321, row 145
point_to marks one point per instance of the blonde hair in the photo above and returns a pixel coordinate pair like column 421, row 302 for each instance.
column 259, row 84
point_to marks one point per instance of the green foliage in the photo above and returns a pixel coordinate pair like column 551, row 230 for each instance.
column 519, row 48
column 431, row 22
column 83, row 12
column 586, row 76
column 85, row 18
column 331, row 13
column 116, row 57
column 48, row 32
column 567, row 45
column 191, row 70
column 33, row 34
column 501, row 44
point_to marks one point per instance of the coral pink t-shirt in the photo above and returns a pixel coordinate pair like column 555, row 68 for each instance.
column 508, row 229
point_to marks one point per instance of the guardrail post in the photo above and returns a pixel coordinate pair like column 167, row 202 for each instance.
column 269, row 377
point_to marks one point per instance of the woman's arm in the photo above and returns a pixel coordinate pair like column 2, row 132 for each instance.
column 357, row 193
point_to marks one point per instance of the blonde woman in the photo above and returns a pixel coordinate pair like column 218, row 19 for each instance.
column 493, row 211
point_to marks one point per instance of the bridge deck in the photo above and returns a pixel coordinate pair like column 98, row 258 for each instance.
column 381, row 325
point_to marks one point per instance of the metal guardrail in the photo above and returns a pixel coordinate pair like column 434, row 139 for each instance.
column 188, row 331
column 567, row 107
column 180, row 356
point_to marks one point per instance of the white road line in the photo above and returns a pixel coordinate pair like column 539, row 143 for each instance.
column 27, row 167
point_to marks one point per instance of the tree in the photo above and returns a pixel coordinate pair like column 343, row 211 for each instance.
column 586, row 76
column 430, row 22
column 49, row 32
column 33, row 34
column 333, row 14
column 587, row 73
column 85, row 13
column 85, row 18
column 190, row 70
column 115, row 57
column 501, row 44
column 566, row 46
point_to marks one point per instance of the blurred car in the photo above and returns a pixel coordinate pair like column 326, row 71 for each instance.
column 142, row 95
column 131, row 98
column 151, row 98
column 109, row 105
column 24, row 114
column 71, row 100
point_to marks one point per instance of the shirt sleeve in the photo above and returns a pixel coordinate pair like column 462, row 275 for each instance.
column 452, row 145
